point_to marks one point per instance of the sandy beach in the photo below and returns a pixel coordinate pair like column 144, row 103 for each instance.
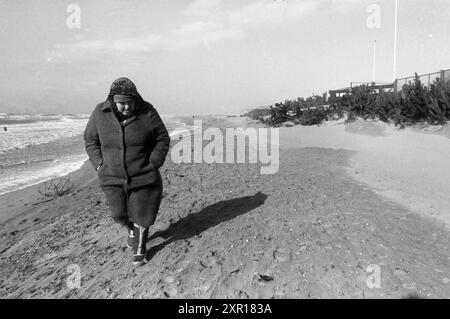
column 345, row 197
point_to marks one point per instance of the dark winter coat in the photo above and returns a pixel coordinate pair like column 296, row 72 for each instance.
column 129, row 153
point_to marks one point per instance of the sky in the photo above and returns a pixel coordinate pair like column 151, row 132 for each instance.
column 209, row 56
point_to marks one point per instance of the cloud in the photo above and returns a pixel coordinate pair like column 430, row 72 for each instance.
column 64, row 50
column 203, row 7
column 212, row 23
column 185, row 36
column 254, row 14
column 269, row 12
column 195, row 33
column 346, row 6
column 146, row 43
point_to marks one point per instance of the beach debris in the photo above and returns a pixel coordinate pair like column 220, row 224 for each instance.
column 55, row 188
column 281, row 254
column 265, row 278
column 236, row 271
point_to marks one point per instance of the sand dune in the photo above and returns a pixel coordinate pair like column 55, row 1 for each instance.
column 409, row 166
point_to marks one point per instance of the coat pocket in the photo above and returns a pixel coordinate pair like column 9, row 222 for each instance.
column 112, row 157
column 104, row 168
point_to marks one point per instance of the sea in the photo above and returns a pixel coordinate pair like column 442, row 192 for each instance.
column 38, row 147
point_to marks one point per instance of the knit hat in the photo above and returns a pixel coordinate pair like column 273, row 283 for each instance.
column 124, row 86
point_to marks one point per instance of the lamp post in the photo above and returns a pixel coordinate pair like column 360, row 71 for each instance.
column 374, row 61
column 395, row 39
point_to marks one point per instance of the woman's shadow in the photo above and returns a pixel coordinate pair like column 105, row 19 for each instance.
column 210, row 216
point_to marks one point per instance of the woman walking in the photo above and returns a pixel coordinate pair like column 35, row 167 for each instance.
column 127, row 143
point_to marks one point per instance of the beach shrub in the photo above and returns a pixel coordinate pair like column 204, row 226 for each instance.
column 388, row 108
column 335, row 111
column 313, row 117
column 361, row 101
column 258, row 114
column 419, row 104
column 278, row 114
column 440, row 91
column 416, row 103
column 312, row 102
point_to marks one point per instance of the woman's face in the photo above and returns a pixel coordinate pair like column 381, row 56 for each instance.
column 126, row 108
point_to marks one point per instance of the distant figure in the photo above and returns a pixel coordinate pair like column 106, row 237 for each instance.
column 5, row 128
column 127, row 143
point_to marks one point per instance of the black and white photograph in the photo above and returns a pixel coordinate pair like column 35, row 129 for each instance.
column 207, row 150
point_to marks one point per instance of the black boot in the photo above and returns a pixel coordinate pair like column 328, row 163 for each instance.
column 139, row 247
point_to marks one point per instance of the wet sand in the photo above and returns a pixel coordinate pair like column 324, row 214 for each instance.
column 226, row 231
